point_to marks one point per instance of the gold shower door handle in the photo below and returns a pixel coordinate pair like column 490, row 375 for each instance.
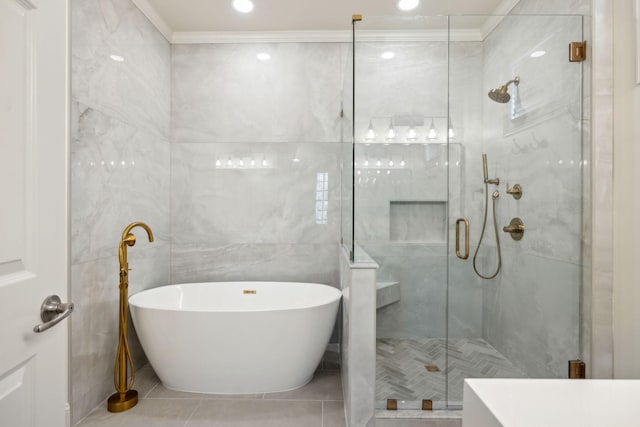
column 466, row 238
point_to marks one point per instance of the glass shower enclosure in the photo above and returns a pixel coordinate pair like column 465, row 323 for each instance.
column 468, row 191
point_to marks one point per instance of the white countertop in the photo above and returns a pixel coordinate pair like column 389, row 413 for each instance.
column 551, row 402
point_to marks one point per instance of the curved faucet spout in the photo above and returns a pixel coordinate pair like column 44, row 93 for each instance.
column 129, row 239
column 126, row 234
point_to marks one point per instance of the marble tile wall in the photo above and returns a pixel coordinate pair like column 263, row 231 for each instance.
column 602, row 244
column 120, row 156
column 256, row 161
column 357, row 281
column 541, row 7
column 531, row 311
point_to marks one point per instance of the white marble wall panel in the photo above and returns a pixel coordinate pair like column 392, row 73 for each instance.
column 134, row 90
column 94, row 329
column 292, row 262
column 539, row 7
column 416, row 85
column 409, row 88
column 344, row 262
column 602, row 195
column 531, row 311
column 417, row 173
column 421, row 311
column 465, row 105
column 120, row 156
column 465, row 293
column 418, row 221
column 534, row 318
column 275, row 203
column 255, row 143
column 255, row 222
column 119, row 174
column 358, row 283
column 223, row 93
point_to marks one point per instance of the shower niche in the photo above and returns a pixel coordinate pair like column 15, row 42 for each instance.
column 417, row 221
column 413, row 178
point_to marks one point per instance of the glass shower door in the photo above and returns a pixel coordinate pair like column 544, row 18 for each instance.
column 525, row 321
column 422, row 122
column 400, row 196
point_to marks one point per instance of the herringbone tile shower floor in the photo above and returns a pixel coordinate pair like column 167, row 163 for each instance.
column 401, row 368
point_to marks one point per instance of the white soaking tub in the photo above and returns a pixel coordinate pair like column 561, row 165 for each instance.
column 235, row 337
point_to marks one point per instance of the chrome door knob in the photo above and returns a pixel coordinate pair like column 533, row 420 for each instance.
column 52, row 312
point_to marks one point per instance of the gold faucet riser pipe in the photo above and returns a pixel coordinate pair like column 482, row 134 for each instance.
column 125, row 398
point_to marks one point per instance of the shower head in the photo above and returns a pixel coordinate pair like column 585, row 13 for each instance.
column 501, row 94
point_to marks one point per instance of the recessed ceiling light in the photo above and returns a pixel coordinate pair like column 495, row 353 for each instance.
column 263, row 56
column 244, row 6
column 387, row 55
column 408, row 4
column 116, row 58
column 538, row 53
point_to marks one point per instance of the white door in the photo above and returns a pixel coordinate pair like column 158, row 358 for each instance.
column 33, row 210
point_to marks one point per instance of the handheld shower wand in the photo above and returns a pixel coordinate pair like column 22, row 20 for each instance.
column 494, row 197
column 485, row 172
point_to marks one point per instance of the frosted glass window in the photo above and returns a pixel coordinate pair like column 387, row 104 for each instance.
column 322, row 197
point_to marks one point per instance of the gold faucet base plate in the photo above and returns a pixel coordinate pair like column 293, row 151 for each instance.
column 119, row 403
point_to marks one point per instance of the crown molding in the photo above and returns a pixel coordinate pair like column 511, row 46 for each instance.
column 155, row 18
column 498, row 15
column 320, row 36
column 201, row 37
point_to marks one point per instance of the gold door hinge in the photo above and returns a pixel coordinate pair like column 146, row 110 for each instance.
column 577, row 51
column 577, row 369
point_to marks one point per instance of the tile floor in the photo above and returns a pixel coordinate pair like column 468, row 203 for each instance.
column 401, row 369
column 317, row 404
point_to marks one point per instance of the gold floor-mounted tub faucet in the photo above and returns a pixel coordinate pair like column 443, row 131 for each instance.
column 125, row 397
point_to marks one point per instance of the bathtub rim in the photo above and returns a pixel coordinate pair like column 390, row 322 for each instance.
column 335, row 298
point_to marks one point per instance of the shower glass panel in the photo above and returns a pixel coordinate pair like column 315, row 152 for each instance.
column 422, row 120
column 525, row 322
column 401, row 197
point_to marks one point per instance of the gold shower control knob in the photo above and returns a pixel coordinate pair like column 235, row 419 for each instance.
column 515, row 191
column 515, row 228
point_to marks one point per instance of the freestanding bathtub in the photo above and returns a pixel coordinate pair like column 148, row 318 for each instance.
column 235, row 337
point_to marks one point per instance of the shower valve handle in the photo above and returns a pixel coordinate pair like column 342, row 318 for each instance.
column 515, row 228
column 515, row 191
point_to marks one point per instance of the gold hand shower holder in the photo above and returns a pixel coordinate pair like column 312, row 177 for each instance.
column 125, row 397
